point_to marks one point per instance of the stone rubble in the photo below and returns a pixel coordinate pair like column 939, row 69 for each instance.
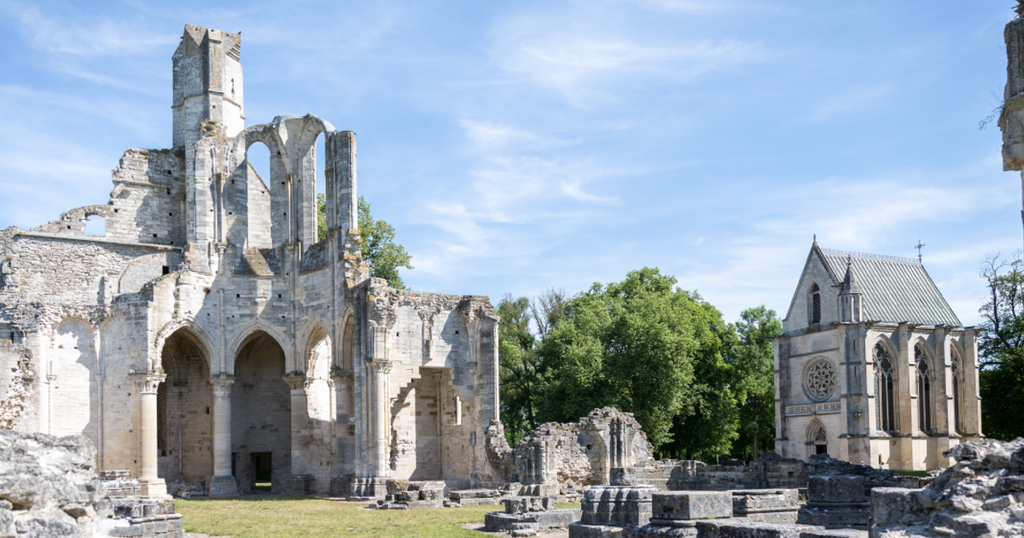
column 49, row 487
column 525, row 516
column 982, row 495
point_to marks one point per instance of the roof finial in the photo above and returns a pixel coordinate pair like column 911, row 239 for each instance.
column 815, row 239
column 849, row 260
column 919, row 246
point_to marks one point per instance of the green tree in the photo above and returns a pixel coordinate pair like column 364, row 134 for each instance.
column 753, row 361
column 1001, row 349
column 379, row 249
column 707, row 424
column 632, row 345
column 518, row 367
column 321, row 217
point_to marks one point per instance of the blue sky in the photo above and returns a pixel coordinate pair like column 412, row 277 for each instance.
column 525, row 145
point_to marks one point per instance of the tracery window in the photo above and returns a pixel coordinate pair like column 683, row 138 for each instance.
column 885, row 403
column 958, row 389
column 815, row 304
column 924, row 390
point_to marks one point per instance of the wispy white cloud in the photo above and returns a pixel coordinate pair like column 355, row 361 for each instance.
column 851, row 101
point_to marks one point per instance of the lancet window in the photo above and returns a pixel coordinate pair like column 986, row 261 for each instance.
column 924, row 390
column 885, row 383
column 815, row 304
column 958, row 389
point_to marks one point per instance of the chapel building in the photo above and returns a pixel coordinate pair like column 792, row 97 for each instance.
column 210, row 341
column 873, row 366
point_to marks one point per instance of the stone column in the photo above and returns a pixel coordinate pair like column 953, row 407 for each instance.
column 150, row 483
column 300, row 482
column 222, row 483
column 381, row 369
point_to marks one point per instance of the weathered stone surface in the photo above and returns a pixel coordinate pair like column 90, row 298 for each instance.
column 740, row 528
column 550, row 519
column 976, row 497
column 766, row 505
column 617, row 505
column 692, row 505
column 581, row 530
column 842, row 489
column 49, row 487
column 563, row 459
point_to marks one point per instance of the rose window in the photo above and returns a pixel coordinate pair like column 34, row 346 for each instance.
column 820, row 379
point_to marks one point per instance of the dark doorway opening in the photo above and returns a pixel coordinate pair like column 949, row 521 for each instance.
column 262, row 471
column 821, row 449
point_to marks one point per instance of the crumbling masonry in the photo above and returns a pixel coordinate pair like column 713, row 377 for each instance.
column 208, row 341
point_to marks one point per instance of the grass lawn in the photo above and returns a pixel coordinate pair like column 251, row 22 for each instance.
column 283, row 517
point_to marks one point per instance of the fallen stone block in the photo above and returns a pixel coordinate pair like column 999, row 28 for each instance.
column 688, row 505
column 766, row 505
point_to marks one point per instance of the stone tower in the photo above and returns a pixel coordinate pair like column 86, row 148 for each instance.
column 207, row 84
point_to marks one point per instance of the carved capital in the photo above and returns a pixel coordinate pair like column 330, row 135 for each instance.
column 222, row 386
column 148, row 383
column 340, row 375
column 381, row 366
column 295, row 381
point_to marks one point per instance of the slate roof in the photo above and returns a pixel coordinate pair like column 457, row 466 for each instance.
column 894, row 289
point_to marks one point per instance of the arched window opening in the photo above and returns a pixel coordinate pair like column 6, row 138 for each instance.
column 258, row 203
column 885, row 404
column 95, row 225
column 924, row 391
column 321, row 188
column 958, row 388
column 815, row 304
column 258, row 156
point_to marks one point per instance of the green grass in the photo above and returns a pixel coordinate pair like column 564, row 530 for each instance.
column 285, row 517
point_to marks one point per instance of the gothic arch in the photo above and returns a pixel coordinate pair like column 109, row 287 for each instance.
column 192, row 331
column 814, row 304
column 816, row 438
column 924, row 376
column 885, row 384
column 317, row 353
column 245, row 334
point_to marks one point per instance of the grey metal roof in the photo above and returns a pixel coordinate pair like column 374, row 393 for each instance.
column 894, row 289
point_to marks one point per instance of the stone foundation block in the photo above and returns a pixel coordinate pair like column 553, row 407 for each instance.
column 552, row 519
column 223, row 486
column 579, row 530
column 676, row 505
column 835, row 516
column 838, row 489
column 617, row 505
column 766, row 505
column 740, row 528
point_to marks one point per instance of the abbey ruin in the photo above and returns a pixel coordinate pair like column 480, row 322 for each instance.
column 208, row 341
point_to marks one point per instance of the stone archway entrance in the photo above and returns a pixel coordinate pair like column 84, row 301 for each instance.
column 260, row 416
column 184, row 425
column 817, row 438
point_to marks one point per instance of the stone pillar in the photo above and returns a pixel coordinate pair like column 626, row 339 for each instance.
column 381, row 369
column 222, row 483
column 300, row 482
column 150, row 483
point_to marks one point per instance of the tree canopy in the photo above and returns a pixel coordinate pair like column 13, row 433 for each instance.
column 379, row 248
column 642, row 345
column 1001, row 349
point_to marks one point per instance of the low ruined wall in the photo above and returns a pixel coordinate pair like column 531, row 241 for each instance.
column 769, row 471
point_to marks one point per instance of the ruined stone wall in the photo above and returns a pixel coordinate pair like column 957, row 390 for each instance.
column 17, row 384
column 562, row 459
